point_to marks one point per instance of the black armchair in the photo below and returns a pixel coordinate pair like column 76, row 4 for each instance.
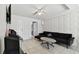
column 11, row 42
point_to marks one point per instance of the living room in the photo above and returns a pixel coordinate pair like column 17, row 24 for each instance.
column 32, row 21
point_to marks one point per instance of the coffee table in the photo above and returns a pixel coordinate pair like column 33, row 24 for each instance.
column 48, row 41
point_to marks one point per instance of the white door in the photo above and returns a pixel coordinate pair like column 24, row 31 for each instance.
column 34, row 28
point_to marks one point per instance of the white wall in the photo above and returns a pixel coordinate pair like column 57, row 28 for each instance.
column 23, row 26
column 65, row 23
column 2, row 26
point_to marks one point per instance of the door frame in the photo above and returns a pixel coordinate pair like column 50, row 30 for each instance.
column 33, row 27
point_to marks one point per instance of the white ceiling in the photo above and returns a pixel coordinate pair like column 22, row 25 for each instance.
column 27, row 10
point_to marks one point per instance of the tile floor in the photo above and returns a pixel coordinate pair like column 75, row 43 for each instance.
column 33, row 46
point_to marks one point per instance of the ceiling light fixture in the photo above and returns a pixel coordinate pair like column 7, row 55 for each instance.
column 39, row 13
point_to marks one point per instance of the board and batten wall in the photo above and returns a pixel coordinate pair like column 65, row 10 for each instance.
column 65, row 23
column 2, row 26
column 23, row 26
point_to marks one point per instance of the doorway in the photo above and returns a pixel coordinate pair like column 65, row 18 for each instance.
column 34, row 28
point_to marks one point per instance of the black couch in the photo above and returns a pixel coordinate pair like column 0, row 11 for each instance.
column 64, row 38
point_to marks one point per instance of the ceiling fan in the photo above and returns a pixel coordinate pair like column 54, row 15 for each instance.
column 39, row 11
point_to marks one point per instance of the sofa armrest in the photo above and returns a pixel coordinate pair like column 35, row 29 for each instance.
column 70, row 40
column 73, row 38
